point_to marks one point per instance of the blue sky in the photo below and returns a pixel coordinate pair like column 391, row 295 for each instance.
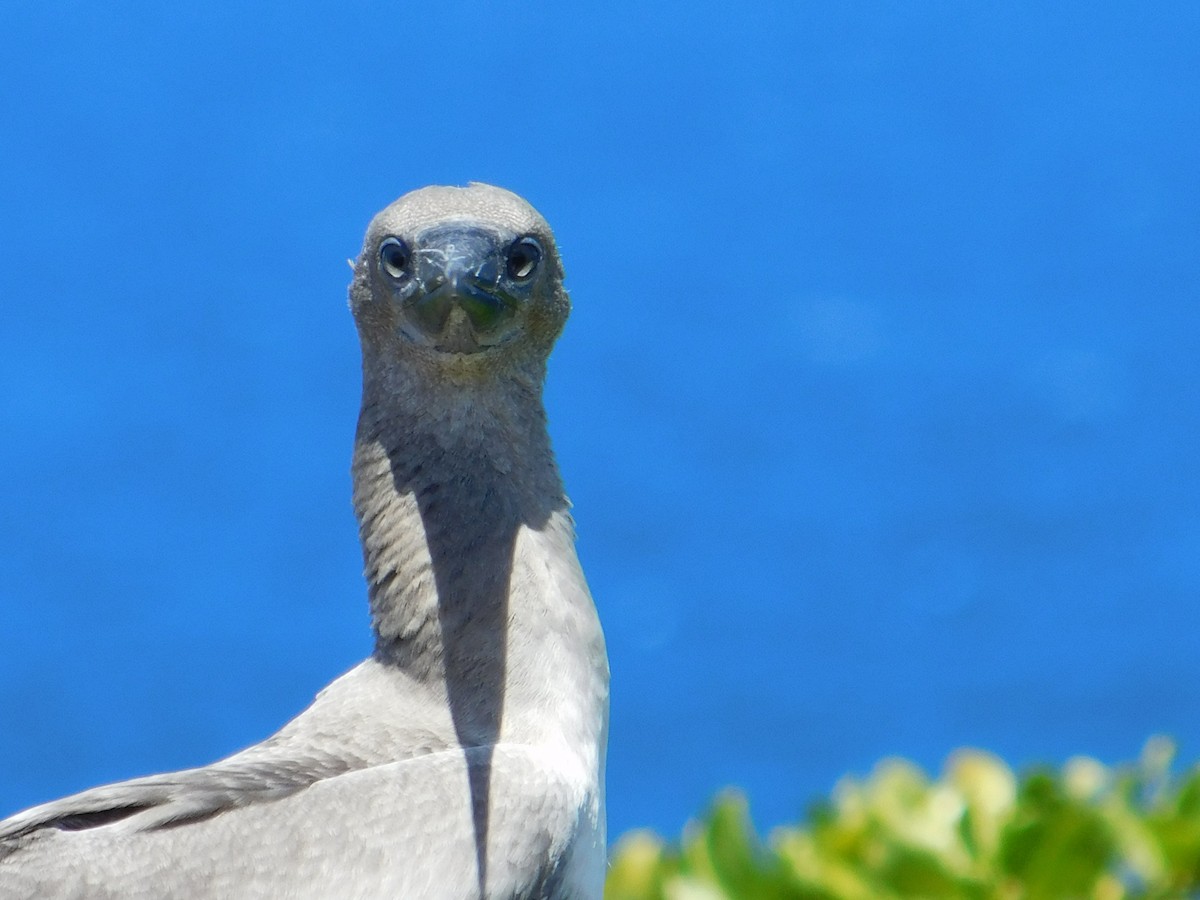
column 877, row 405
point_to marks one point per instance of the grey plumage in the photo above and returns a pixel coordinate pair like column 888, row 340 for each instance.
column 465, row 757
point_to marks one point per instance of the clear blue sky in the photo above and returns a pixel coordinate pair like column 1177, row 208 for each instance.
column 878, row 406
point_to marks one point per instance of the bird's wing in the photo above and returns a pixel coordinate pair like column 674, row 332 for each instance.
column 172, row 798
column 367, row 717
column 405, row 829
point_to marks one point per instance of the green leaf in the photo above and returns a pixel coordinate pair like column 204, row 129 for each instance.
column 977, row 833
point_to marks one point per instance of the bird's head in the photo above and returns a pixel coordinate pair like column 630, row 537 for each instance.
column 465, row 279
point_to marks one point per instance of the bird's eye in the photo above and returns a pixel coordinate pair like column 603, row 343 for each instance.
column 523, row 258
column 395, row 257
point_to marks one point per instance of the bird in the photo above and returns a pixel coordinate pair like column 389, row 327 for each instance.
column 465, row 757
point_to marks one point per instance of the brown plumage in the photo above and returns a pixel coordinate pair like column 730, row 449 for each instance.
column 465, row 758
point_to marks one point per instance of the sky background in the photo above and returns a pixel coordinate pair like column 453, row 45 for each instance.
column 877, row 406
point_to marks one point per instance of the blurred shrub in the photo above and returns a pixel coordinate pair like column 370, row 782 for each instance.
column 979, row 831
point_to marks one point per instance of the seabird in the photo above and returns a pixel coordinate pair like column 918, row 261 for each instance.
column 465, row 757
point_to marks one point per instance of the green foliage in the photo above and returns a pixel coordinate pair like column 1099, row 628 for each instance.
column 978, row 832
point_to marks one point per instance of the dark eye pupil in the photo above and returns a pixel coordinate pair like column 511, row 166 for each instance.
column 394, row 256
column 523, row 258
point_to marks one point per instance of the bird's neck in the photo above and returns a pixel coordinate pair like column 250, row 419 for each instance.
column 469, row 556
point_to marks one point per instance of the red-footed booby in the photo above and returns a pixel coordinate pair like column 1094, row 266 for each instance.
column 465, row 757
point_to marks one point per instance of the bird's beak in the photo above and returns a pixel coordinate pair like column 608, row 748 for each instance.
column 460, row 303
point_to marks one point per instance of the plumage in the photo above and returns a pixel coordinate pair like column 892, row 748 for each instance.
column 465, row 757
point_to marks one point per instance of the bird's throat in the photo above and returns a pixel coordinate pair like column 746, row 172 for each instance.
column 442, row 494
column 474, row 585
